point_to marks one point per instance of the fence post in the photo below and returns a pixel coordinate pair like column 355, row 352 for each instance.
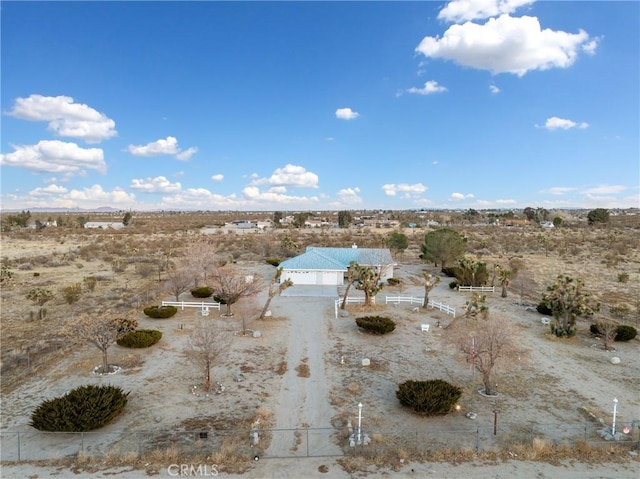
column 19, row 458
column 477, row 439
column 307, row 428
column 82, row 442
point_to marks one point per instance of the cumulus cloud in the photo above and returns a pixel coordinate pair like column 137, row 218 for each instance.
column 186, row 154
column 555, row 123
column 159, row 184
column 346, row 114
column 166, row 146
column 429, row 88
column 506, row 44
column 404, row 188
column 290, row 175
column 349, row 196
column 65, row 117
column 494, row 89
column 459, row 196
column 257, row 197
column 559, row 190
column 48, row 191
column 199, row 198
column 54, row 156
column 217, row 177
column 458, row 11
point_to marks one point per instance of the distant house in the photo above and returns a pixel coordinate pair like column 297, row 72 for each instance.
column 328, row 266
column 105, row 225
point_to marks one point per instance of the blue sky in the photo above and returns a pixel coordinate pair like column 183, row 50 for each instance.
column 320, row 105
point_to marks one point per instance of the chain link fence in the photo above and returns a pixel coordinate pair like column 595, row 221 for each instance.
column 302, row 442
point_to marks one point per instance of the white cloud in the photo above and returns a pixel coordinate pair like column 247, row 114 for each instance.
column 199, row 198
column 48, row 191
column 494, row 89
column 506, row 44
column 186, row 154
column 159, row 184
column 168, row 146
column 408, row 190
column 559, row 190
column 506, row 202
column 349, row 196
column 256, row 197
column 97, row 195
column 290, row 175
column 459, row 196
column 605, row 190
column 458, row 11
column 277, row 189
column 218, row 177
column 555, row 123
column 54, row 156
column 590, row 47
column 65, row 117
column 434, row 162
column 429, row 88
column 346, row 114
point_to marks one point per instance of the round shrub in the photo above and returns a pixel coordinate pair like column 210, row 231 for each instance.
column 429, row 398
column 82, row 409
column 141, row 338
column 160, row 312
column 376, row 324
column 201, row 292
column 453, row 284
column 218, row 299
column 625, row 333
column 394, row 281
column 273, row 261
column 543, row 308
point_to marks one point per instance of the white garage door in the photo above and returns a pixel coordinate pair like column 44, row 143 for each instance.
column 326, row 278
column 300, row 277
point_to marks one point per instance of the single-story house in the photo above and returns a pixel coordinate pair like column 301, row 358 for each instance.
column 328, row 266
column 105, row 225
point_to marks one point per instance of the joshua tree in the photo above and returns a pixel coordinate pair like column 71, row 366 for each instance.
column 505, row 279
column 430, row 282
column 274, row 289
column 351, row 271
column 40, row 296
column 568, row 300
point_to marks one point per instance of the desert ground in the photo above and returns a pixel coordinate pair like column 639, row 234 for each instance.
column 303, row 376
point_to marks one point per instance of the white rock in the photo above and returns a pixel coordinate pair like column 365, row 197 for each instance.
column 257, row 334
column 366, row 362
column 615, row 360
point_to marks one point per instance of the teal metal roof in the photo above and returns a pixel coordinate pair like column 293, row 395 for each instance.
column 333, row 259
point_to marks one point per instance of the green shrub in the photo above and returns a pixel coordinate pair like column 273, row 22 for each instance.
column 543, row 308
column 376, row 324
column 273, row 261
column 429, row 398
column 82, row 409
column 623, row 332
column 201, row 292
column 218, row 299
column 560, row 332
column 623, row 278
column 141, row 338
column 72, row 293
column 160, row 312
column 450, row 271
column 454, row 284
column 394, row 281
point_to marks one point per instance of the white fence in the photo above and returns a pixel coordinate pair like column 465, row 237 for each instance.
column 360, row 299
column 403, row 299
column 482, row 289
column 192, row 304
column 442, row 307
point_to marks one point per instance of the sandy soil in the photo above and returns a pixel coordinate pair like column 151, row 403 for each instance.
column 305, row 370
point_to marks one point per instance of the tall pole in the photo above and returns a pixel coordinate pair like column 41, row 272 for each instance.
column 615, row 407
column 495, row 422
column 359, row 423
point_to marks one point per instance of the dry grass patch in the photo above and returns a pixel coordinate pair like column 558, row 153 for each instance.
column 282, row 368
column 303, row 370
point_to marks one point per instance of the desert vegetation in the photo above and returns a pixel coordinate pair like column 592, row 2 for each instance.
column 49, row 275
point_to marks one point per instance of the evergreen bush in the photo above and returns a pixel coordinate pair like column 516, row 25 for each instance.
column 273, row 261
column 82, row 409
column 394, row 281
column 429, row 398
column 141, row 338
column 160, row 312
column 625, row 333
column 202, row 292
column 543, row 308
column 453, row 284
column 376, row 324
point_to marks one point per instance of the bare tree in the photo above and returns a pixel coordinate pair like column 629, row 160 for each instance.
column 100, row 330
column 207, row 343
column 201, row 258
column 274, row 289
column 430, row 282
column 492, row 345
column 179, row 280
column 230, row 286
column 608, row 330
